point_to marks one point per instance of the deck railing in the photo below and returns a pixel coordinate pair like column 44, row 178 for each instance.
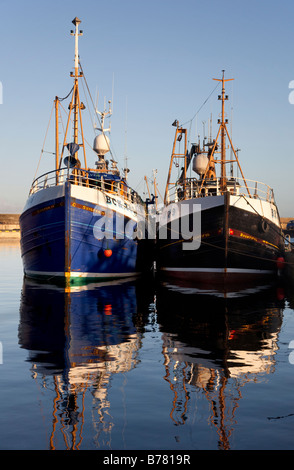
column 193, row 187
column 84, row 178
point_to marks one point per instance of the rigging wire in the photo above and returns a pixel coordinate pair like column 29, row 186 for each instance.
column 111, row 153
column 63, row 128
column 197, row 112
column 231, row 250
column 88, row 108
column 42, row 151
column 205, row 101
column 62, row 99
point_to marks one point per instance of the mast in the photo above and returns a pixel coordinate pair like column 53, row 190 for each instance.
column 223, row 97
column 76, row 106
column 76, row 34
column 178, row 137
column 223, row 131
column 145, row 177
column 155, row 189
column 56, row 139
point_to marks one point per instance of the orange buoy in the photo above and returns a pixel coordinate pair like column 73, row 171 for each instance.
column 107, row 253
column 108, row 309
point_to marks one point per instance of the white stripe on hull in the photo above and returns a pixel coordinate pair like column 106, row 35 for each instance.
column 219, row 270
column 73, row 274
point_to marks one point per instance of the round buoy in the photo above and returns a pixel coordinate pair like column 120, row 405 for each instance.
column 108, row 309
column 280, row 262
column 107, row 253
column 280, row 293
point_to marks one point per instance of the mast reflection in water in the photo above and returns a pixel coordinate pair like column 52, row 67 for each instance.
column 217, row 342
column 184, row 357
column 77, row 339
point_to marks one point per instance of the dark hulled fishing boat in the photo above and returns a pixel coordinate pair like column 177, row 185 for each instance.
column 217, row 228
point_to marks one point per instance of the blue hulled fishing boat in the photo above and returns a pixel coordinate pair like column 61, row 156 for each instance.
column 79, row 223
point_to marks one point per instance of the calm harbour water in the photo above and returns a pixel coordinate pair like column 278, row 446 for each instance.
column 138, row 366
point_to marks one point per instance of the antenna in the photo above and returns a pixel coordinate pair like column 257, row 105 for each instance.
column 112, row 90
column 97, row 99
column 126, row 169
column 126, row 124
column 103, row 115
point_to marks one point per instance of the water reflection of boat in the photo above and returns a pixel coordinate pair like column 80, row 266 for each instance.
column 77, row 339
column 217, row 344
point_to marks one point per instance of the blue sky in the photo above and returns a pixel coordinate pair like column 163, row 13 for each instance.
column 159, row 58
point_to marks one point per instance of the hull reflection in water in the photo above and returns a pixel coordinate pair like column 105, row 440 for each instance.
column 216, row 342
column 77, row 339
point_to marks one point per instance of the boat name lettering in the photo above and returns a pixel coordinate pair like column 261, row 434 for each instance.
column 236, row 233
column 115, row 202
column 87, row 208
column 47, row 208
column 250, row 237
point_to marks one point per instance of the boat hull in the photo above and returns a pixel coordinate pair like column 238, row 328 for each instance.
column 237, row 244
column 60, row 240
